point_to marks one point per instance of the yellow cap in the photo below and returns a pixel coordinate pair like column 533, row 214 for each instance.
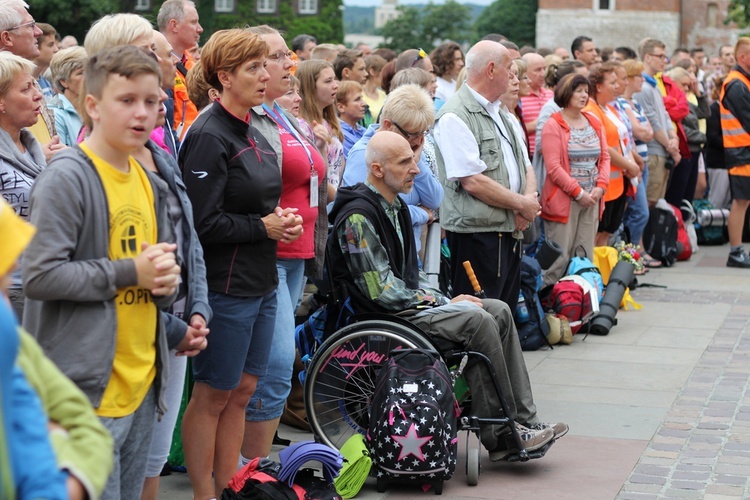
column 15, row 235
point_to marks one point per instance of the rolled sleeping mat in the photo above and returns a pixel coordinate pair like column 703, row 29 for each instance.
column 548, row 253
column 621, row 276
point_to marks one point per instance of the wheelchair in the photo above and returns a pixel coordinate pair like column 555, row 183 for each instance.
column 341, row 375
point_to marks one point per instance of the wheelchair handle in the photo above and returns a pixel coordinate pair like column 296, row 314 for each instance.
column 473, row 280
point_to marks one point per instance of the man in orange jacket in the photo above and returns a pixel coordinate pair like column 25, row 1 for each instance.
column 178, row 22
column 734, row 103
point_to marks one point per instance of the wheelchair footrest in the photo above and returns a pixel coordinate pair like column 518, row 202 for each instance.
column 525, row 456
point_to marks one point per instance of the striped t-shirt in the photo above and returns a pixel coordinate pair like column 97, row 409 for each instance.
column 583, row 151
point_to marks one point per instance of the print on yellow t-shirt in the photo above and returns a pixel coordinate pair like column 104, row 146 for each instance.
column 132, row 221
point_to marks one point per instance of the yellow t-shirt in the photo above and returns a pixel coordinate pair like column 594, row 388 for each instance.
column 132, row 220
column 375, row 104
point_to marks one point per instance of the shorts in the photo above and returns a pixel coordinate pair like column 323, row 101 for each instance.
column 739, row 186
column 613, row 213
column 658, row 176
column 239, row 342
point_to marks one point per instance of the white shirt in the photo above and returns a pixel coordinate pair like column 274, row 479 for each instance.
column 445, row 88
column 460, row 149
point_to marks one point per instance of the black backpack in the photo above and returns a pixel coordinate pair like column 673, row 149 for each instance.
column 413, row 421
column 660, row 236
column 531, row 323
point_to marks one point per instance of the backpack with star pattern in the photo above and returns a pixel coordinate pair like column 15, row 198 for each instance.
column 413, row 419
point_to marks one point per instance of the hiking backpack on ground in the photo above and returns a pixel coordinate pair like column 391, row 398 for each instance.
column 413, row 420
column 531, row 324
column 684, row 248
column 582, row 266
column 660, row 236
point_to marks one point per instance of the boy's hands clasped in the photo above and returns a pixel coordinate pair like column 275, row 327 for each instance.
column 157, row 268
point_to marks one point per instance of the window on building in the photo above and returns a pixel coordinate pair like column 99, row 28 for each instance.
column 604, row 4
column 143, row 5
column 712, row 16
column 224, row 5
column 308, row 6
column 266, row 6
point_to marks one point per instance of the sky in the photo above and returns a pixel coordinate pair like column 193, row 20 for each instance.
column 370, row 3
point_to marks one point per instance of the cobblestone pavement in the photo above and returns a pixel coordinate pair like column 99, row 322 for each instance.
column 702, row 448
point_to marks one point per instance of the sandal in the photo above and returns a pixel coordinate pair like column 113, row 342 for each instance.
column 642, row 271
column 651, row 263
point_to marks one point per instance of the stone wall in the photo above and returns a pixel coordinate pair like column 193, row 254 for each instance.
column 558, row 27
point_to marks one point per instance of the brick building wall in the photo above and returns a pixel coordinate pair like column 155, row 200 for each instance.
column 689, row 23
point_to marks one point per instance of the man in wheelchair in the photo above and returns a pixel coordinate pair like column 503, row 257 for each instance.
column 373, row 254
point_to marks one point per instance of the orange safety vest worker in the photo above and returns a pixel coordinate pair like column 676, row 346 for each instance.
column 185, row 111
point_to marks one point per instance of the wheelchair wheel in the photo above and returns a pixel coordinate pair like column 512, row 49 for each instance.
column 341, row 376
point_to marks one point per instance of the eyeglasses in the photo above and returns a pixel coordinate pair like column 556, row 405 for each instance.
column 410, row 136
column 663, row 57
column 420, row 55
column 31, row 24
column 279, row 56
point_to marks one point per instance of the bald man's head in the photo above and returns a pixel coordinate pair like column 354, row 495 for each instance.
column 535, row 70
column 488, row 69
column 391, row 164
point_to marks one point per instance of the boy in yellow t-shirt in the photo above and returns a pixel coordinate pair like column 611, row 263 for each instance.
column 101, row 266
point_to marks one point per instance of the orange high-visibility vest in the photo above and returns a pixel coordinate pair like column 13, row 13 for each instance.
column 616, row 183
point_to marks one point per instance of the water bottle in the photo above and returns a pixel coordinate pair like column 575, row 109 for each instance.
column 522, row 312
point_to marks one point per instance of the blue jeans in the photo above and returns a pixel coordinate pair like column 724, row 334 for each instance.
column 636, row 215
column 273, row 388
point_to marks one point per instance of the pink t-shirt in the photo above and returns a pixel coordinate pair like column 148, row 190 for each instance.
column 531, row 106
column 295, row 193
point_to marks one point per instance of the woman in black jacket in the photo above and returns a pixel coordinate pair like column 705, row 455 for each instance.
column 234, row 183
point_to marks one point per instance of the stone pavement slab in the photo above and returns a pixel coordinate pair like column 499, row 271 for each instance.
column 659, row 408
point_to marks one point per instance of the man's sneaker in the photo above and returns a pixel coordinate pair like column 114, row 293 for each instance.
column 738, row 259
column 559, row 428
column 530, row 438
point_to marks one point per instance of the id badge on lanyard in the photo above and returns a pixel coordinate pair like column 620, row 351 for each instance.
column 279, row 118
column 313, row 187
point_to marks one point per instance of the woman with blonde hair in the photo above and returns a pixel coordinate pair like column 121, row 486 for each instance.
column 67, row 78
column 233, row 179
column 373, row 93
column 636, row 214
column 302, row 168
column 21, row 156
column 318, row 87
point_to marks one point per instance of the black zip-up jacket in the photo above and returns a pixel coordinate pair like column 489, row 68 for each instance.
column 233, row 180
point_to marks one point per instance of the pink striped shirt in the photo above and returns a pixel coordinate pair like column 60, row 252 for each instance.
column 531, row 106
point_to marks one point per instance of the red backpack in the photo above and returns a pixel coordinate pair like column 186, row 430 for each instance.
column 566, row 300
column 684, row 248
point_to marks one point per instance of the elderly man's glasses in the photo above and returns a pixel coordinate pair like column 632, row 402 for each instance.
column 279, row 56
column 410, row 136
column 30, row 24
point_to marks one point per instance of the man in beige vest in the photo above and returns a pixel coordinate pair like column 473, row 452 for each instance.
column 490, row 187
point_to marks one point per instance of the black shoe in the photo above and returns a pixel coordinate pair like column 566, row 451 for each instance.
column 738, row 259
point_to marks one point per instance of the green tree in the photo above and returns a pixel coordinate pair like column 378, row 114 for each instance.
column 72, row 17
column 738, row 12
column 516, row 19
column 403, row 32
column 428, row 27
column 327, row 26
column 449, row 21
